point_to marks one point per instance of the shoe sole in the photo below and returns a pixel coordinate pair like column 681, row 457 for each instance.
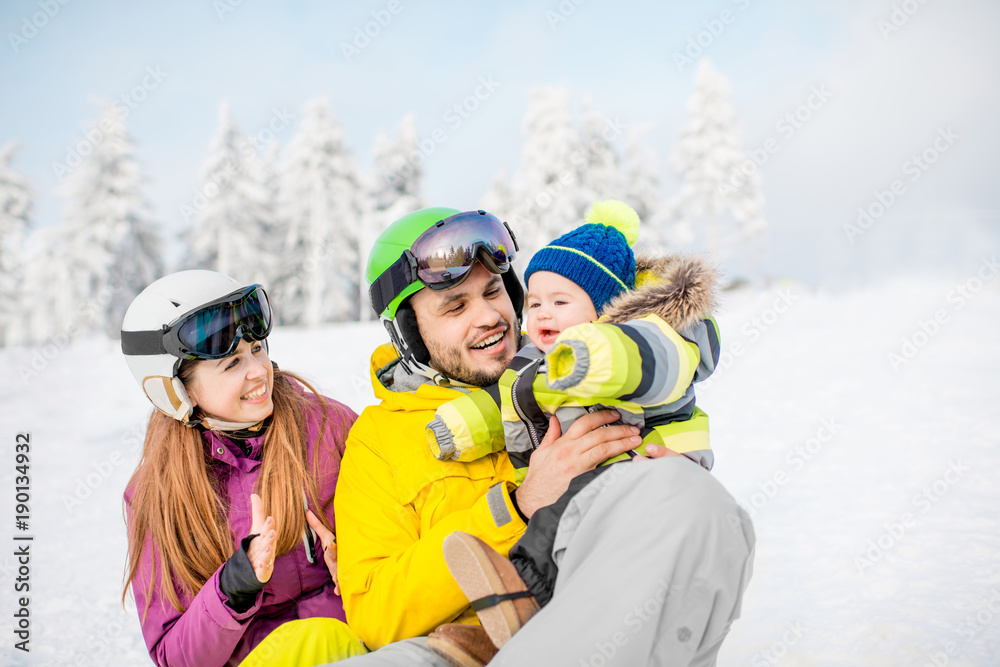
column 477, row 575
column 454, row 654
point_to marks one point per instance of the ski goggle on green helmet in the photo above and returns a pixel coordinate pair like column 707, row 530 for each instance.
column 211, row 331
column 443, row 256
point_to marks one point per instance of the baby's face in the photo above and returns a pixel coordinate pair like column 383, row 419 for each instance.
column 555, row 304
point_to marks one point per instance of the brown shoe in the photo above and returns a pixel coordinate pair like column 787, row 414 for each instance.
column 491, row 582
column 462, row 645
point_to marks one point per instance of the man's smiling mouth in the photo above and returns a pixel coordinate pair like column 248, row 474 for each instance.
column 490, row 342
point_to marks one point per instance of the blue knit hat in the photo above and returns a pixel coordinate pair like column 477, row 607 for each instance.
column 597, row 255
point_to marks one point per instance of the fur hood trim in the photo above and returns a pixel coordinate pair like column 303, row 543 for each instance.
column 680, row 289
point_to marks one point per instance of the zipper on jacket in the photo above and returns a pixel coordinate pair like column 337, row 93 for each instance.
column 532, row 433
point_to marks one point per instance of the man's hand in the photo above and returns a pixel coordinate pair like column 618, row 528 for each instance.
column 560, row 458
column 328, row 543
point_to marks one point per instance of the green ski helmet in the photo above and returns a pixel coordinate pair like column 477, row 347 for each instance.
column 392, row 270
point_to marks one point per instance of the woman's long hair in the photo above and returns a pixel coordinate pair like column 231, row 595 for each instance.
column 175, row 502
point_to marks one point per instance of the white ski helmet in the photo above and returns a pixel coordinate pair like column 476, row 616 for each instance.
column 155, row 308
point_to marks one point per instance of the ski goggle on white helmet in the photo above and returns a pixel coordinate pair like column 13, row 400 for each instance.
column 188, row 315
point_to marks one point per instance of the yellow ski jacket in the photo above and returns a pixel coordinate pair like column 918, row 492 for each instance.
column 395, row 503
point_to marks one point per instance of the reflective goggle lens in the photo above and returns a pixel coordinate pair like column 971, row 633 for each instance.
column 215, row 331
column 447, row 251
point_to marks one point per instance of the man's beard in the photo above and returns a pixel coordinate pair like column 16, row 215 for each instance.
column 449, row 362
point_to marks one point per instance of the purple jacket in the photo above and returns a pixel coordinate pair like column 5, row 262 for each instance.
column 209, row 633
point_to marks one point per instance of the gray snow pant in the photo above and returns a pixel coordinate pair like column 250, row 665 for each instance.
column 653, row 561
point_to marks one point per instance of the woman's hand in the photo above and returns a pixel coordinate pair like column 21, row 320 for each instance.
column 329, row 543
column 261, row 550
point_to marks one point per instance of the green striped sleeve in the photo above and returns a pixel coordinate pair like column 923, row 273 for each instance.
column 466, row 428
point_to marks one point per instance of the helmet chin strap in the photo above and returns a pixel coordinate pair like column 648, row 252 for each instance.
column 213, row 424
column 411, row 365
column 435, row 376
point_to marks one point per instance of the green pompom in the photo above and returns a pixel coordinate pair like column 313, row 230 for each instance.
column 615, row 214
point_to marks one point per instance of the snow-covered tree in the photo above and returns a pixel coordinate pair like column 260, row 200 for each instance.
column 543, row 190
column 110, row 248
column 498, row 199
column 642, row 181
column 232, row 214
column 16, row 203
column 396, row 174
column 50, row 296
column 322, row 209
column 269, row 175
column 599, row 172
column 563, row 169
column 717, row 176
column 394, row 190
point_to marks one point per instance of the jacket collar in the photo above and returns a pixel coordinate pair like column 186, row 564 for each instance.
column 679, row 289
column 405, row 393
column 226, row 451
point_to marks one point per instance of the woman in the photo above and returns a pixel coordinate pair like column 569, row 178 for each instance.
column 224, row 560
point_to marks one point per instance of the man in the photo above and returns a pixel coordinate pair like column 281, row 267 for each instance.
column 442, row 284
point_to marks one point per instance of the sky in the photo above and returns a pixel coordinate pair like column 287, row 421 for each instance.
column 837, row 98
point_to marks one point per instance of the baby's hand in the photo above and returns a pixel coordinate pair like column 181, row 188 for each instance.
column 656, row 452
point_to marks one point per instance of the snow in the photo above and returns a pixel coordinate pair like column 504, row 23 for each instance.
column 803, row 370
